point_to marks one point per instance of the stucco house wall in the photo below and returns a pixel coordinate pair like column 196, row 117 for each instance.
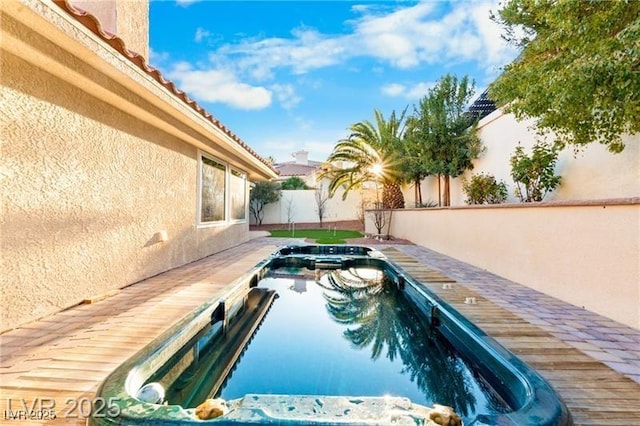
column 99, row 165
column 590, row 173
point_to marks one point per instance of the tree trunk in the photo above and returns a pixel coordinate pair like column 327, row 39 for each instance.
column 447, row 195
column 392, row 197
column 417, row 192
column 439, row 191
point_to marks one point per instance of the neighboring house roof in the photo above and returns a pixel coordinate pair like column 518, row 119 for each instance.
column 93, row 24
column 291, row 168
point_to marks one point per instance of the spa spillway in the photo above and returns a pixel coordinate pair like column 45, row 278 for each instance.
column 328, row 335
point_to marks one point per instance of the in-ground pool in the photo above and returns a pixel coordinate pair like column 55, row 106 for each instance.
column 351, row 332
column 330, row 335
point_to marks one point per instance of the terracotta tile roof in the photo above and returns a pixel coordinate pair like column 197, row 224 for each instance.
column 291, row 168
column 93, row 24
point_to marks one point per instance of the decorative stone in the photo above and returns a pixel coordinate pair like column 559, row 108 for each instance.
column 331, row 410
column 444, row 416
column 211, row 409
column 152, row 393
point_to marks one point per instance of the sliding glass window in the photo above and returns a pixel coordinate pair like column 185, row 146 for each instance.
column 238, row 191
column 212, row 190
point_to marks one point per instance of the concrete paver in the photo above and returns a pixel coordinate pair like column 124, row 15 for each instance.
column 609, row 341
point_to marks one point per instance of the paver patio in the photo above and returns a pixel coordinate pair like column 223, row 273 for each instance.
column 592, row 361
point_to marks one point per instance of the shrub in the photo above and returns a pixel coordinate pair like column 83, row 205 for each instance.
column 425, row 204
column 294, row 182
column 534, row 176
column 484, row 189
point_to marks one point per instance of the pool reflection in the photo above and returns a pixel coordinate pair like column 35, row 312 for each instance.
column 379, row 318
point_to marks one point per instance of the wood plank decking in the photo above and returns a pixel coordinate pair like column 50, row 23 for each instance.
column 594, row 393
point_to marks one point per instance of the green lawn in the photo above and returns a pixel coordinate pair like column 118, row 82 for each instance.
column 322, row 236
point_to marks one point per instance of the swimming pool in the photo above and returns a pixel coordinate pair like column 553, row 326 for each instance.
column 330, row 335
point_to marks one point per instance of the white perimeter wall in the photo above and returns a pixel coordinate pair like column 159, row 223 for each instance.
column 587, row 254
column 590, row 174
column 304, row 208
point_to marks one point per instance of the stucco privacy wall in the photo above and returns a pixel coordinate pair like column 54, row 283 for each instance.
column 591, row 173
column 302, row 207
column 86, row 185
column 587, row 255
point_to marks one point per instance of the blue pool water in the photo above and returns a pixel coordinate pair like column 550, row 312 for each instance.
column 351, row 332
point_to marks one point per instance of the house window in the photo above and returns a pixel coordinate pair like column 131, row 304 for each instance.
column 212, row 190
column 238, row 191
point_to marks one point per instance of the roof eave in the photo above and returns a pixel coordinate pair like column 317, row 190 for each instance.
column 190, row 125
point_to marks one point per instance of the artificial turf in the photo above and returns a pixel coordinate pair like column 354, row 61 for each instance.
column 321, row 236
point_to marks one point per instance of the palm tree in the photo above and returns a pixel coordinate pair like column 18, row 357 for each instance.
column 371, row 152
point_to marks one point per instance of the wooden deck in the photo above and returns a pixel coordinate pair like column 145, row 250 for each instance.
column 594, row 393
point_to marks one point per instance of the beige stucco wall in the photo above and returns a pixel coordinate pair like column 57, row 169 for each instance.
column 128, row 19
column 591, row 173
column 86, row 187
column 587, row 255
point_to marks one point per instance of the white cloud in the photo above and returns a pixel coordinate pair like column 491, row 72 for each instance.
column 393, row 89
column 419, row 90
column 403, row 38
column 286, row 95
column 222, row 86
column 201, row 34
column 361, row 7
column 157, row 57
column 318, row 142
column 185, row 3
column 414, row 35
column 415, row 92
column 394, row 37
column 495, row 48
column 303, row 123
column 306, row 50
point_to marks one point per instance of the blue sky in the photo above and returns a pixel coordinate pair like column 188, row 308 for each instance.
column 294, row 75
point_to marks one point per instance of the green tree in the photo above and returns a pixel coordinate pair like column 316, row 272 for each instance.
column 534, row 175
column 371, row 153
column 446, row 132
column 294, row 182
column 262, row 194
column 416, row 162
column 579, row 70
